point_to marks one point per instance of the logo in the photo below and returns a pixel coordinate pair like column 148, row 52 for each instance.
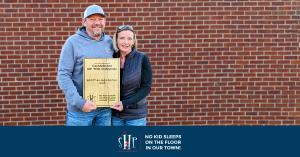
column 127, row 142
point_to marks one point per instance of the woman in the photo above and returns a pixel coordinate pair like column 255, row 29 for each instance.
column 136, row 80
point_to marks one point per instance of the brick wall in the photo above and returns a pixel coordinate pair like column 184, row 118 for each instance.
column 215, row 62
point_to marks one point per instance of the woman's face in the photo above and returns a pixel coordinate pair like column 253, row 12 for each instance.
column 125, row 41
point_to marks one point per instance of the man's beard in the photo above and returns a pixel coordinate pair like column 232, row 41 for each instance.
column 96, row 33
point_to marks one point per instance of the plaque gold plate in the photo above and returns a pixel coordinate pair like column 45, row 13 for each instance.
column 101, row 81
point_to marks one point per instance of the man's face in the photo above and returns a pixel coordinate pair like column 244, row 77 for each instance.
column 94, row 24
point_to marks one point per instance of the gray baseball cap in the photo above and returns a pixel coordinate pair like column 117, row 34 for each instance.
column 93, row 9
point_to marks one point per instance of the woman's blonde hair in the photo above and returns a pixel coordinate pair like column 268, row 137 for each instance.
column 120, row 29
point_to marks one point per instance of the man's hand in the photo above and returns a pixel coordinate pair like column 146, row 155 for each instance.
column 89, row 106
column 118, row 106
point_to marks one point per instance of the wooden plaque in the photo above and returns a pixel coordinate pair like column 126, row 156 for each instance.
column 101, row 81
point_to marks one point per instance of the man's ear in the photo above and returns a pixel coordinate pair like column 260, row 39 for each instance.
column 83, row 21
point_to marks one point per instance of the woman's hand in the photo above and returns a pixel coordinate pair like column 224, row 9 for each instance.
column 118, row 106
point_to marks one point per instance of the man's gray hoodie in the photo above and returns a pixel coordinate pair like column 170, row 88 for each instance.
column 70, row 68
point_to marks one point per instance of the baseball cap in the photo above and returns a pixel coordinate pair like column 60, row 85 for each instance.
column 93, row 9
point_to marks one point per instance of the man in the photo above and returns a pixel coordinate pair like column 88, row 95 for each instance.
column 88, row 42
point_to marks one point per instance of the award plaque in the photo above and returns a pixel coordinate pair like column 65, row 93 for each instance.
column 101, row 81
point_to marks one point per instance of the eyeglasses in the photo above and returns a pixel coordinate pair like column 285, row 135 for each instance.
column 124, row 27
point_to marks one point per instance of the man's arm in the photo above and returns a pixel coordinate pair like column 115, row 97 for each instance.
column 64, row 76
